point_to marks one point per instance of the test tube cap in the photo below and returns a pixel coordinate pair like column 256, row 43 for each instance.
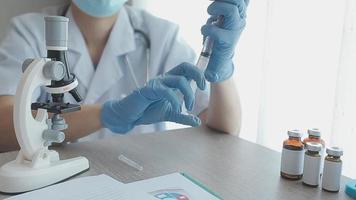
column 295, row 133
column 334, row 151
column 314, row 132
column 56, row 31
column 313, row 146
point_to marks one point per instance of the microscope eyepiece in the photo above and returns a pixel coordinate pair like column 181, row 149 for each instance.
column 56, row 32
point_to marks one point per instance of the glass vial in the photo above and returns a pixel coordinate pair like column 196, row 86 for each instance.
column 332, row 169
column 292, row 156
column 312, row 162
column 314, row 135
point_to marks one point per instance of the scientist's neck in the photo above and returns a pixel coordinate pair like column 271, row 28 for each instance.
column 96, row 31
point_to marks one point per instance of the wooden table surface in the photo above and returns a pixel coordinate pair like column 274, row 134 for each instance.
column 232, row 167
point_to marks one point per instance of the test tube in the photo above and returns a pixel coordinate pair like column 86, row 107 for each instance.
column 208, row 45
column 130, row 162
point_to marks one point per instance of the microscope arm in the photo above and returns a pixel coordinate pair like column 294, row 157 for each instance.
column 29, row 130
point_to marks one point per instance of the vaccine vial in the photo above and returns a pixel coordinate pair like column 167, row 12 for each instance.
column 332, row 169
column 314, row 135
column 312, row 162
column 292, row 156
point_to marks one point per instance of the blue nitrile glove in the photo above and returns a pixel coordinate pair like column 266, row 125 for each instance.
column 225, row 37
column 158, row 101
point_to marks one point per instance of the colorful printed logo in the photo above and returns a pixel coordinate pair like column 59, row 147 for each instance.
column 171, row 194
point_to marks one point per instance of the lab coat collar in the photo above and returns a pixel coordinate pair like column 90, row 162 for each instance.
column 120, row 42
column 121, row 39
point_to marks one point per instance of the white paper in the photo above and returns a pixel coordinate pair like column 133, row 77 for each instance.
column 100, row 187
column 173, row 186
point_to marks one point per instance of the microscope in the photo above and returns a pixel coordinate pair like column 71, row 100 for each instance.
column 36, row 166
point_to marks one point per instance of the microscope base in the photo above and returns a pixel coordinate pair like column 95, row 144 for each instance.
column 19, row 177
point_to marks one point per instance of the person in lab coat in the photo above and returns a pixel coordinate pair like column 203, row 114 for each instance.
column 107, row 47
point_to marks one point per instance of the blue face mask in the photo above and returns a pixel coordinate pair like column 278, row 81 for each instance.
column 99, row 8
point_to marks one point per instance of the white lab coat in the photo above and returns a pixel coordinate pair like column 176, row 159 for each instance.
column 110, row 79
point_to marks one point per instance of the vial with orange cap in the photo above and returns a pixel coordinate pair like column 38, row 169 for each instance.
column 314, row 135
column 293, row 156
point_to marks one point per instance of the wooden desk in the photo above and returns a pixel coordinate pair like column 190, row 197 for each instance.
column 234, row 168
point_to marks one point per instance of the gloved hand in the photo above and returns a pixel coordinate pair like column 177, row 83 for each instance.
column 158, row 101
column 225, row 37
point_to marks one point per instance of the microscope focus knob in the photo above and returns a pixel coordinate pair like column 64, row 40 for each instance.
column 53, row 136
column 54, row 70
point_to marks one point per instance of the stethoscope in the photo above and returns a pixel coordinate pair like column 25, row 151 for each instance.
column 142, row 37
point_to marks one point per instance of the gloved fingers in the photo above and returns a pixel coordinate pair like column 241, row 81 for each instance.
column 232, row 14
column 155, row 112
column 155, row 91
column 182, row 84
column 189, row 120
column 219, row 35
column 247, row 2
column 190, row 72
column 241, row 4
column 234, row 2
column 168, row 94
column 210, row 21
column 243, row 9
